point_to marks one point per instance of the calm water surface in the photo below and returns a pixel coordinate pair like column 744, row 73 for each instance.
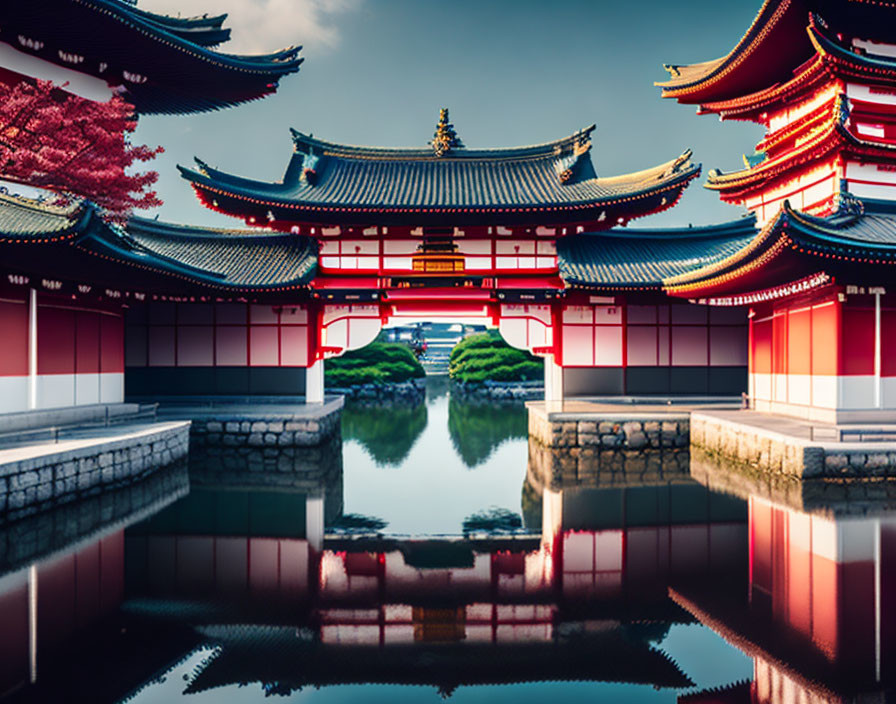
column 438, row 554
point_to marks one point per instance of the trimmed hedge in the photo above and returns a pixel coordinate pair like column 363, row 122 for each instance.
column 378, row 363
column 486, row 357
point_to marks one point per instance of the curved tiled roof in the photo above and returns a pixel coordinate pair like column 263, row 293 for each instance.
column 859, row 240
column 867, row 223
column 557, row 176
column 221, row 258
column 27, row 220
column 774, row 47
column 644, row 258
column 163, row 63
column 775, row 41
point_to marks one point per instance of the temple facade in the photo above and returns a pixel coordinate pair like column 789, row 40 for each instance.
column 821, row 78
column 528, row 240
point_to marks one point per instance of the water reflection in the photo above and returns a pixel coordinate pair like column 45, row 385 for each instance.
column 388, row 433
column 608, row 575
column 62, row 572
column 477, row 429
column 581, row 598
column 403, row 467
column 817, row 612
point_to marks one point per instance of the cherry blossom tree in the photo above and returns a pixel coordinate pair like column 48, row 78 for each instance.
column 74, row 147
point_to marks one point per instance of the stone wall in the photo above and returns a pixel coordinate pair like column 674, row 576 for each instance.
column 49, row 475
column 826, row 496
column 593, row 467
column 25, row 541
column 302, row 467
column 232, row 429
column 775, row 453
column 498, row 390
column 413, row 390
column 633, row 431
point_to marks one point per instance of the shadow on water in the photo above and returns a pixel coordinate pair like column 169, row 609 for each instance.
column 478, row 429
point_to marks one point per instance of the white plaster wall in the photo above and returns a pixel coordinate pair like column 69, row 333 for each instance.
column 779, row 387
column 111, row 387
column 824, row 391
column 888, row 391
column 13, row 394
column 87, row 388
column 55, row 390
column 856, row 391
column 799, row 389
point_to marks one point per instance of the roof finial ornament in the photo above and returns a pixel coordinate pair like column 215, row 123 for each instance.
column 445, row 138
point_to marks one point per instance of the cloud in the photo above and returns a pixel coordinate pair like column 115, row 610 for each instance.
column 262, row 26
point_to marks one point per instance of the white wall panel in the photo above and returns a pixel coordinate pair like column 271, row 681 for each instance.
column 404, row 263
column 13, row 394
column 608, row 345
column 728, row 346
column 762, row 386
column 578, row 346
column 55, row 390
column 87, row 388
column 856, row 391
column 888, row 391
column 195, row 346
column 294, row 346
column 824, row 391
column 231, row 345
column 799, row 389
column 779, row 387
column 111, row 387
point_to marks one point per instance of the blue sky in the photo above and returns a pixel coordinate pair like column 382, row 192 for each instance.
column 376, row 72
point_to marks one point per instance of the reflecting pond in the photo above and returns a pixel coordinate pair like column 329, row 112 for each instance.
column 438, row 553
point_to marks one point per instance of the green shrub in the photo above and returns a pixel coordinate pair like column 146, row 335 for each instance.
column 377, row 363
column 486, row 357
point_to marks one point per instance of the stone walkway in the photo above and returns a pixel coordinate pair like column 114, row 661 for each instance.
column 632, row 406
column 807, row 430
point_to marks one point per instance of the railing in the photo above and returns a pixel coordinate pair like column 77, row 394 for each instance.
column 840, row 434
column 51, row 434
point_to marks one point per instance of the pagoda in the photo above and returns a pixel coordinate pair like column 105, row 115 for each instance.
column 820, row 76
column 160, row 64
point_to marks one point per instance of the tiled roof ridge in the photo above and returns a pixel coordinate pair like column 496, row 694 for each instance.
column 532, row 151
column 162, row 228
column 71, row 210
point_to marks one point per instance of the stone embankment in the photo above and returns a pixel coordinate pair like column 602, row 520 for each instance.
column 35, row 537
column 772, row 452
column 498, row 390
column 275, row 466
column 257, row 427
column 411, row 391
column 39, row 476
column 630, row 431
column 557, row 468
